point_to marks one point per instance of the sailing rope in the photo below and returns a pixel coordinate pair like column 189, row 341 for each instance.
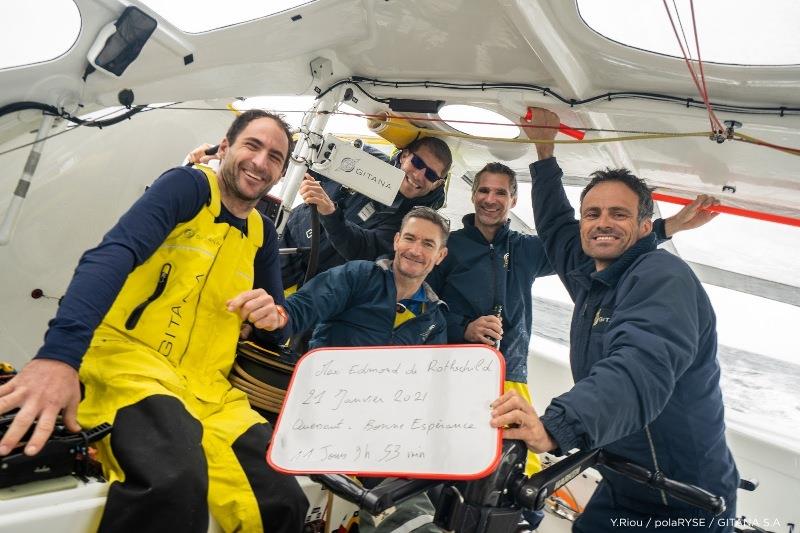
column 700, row 83
column 717, row 128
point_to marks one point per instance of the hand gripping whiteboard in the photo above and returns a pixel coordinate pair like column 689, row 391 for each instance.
column 416, row 411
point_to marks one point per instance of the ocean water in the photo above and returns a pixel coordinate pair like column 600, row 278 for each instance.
column 762, row 392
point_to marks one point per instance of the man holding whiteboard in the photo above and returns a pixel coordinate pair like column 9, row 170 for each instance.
column 380, row 303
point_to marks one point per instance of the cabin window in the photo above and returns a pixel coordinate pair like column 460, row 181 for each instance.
column 34, row 32
column 754, row 33
column 207, row 15
column 478, row 121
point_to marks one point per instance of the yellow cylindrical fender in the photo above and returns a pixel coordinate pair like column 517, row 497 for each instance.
column 397, row 131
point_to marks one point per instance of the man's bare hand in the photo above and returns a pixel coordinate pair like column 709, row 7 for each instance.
column 198, row 155
column 692, row 215
column 486, row 330
column 313, row 194
column 544, row 127
column 41, row 390
column 258, row 308
column 519, row 421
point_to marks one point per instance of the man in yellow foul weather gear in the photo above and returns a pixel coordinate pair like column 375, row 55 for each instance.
column 149, row 323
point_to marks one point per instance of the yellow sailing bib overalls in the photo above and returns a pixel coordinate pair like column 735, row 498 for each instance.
column 168, row 338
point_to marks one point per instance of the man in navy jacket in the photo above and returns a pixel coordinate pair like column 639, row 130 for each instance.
column 642, row 350
column 364, row 303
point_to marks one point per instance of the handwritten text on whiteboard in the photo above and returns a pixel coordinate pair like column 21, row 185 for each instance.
column 420, row 411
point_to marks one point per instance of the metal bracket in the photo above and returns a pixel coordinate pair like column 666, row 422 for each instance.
column 321, row 68
column 731, row 128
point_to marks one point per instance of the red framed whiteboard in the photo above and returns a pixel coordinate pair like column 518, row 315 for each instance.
column 416, row 411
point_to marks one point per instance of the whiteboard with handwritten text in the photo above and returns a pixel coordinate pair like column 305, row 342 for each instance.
column 391, row 411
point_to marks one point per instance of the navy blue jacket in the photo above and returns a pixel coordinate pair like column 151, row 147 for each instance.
column 477, row 275
column 348, row 233
column 643, row 352
column 354, row 305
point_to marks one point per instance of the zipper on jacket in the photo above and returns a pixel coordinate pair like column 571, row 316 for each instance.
column 494, row 274
column 136, row 314
column 655, row 461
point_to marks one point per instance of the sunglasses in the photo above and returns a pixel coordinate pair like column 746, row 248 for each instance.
column 419, row 164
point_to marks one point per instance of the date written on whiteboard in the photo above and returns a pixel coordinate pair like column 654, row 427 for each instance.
column 334, row 400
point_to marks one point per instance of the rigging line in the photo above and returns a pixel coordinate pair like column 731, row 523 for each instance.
column 753, row 140
column 680, row 22
column 689, row 66
column 20, row 147
column 298, row 111
column 384, row 118
column 67, row 130
column 702, row 73
column 637, row 135
column 441, row 133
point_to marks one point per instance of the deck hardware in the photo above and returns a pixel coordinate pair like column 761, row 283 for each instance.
column 125, row 97
column 732, row 125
